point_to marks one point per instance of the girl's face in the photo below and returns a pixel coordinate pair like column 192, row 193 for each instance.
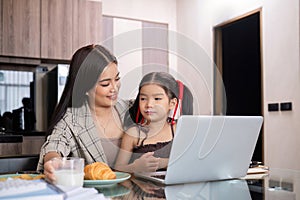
column 154, row 103
column 105, row 92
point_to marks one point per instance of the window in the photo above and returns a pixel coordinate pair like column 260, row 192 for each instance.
column 14, row 85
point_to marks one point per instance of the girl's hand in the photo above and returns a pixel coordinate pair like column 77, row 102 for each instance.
column 163, row 163
column 146, row 163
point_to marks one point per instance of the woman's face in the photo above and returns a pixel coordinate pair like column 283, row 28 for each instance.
column 105, row 92
column 154, row 103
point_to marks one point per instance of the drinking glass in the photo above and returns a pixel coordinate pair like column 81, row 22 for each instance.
column 68, row 171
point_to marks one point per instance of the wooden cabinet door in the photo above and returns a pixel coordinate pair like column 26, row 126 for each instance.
column 87, row 23
column 10, row 149
column 56, row 29
column 20, row 30
column 1, row 26
column 32, row 144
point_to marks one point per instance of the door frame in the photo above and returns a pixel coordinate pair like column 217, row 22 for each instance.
column 219, row 94
column 219, row 105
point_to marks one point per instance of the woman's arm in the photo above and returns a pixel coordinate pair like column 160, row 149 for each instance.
column 48, row 156
column 57, row 145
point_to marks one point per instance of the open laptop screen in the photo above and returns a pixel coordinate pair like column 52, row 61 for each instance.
column 212, row 148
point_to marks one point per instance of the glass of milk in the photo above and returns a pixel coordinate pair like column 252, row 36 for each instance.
column 68, row 171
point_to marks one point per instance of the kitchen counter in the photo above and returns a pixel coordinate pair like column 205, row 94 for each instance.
column 10, row 138
column 27, row 133
column 18, row 144
column 11, row 144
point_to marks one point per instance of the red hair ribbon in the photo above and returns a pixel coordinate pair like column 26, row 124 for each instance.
column 137, row 117
column 180, row 96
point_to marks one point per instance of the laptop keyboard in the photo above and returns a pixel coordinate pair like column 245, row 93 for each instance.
column 162, row 176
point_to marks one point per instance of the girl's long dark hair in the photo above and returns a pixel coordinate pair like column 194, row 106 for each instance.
column 170, row 86
column 85, row 68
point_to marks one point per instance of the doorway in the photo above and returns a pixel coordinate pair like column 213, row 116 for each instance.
column 237, row 54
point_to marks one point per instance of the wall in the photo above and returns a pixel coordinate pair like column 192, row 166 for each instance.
column 165, row 11
column 193, row 24
column 179, row 51
column 281, row 74
column 128, row 35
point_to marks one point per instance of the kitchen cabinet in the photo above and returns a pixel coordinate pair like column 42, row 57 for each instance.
column 48, row 29
column 32, row 144
column 68, row 25
column 1, row 25
column 10, row 149
column 87, row 23
column 10, row 144
column 56, row 29
column 17, row 144
column 20, row 28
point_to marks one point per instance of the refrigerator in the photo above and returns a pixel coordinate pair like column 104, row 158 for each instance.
column 55, row 80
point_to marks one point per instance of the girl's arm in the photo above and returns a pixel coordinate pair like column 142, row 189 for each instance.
column 125, row 153
column 146, row 163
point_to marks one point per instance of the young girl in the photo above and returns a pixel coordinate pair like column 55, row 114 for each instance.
column 146, row 144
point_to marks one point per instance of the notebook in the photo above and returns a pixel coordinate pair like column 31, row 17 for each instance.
column 207, row 148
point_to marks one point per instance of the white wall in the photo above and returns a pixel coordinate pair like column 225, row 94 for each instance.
column 127, row 40
column 154, row 10
column 165, row 12
column 281, row 73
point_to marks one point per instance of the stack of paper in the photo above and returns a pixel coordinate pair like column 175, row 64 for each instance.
column 79, row 193
column 258, row 172
column 17, row 189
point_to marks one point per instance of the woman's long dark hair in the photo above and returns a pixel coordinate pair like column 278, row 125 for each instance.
column 86, row 66
column 170, row 86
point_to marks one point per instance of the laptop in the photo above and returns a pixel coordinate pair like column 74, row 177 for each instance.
column 226, row 189
column 208, row 148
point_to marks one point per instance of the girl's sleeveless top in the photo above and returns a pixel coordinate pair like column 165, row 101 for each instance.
column 160, row 149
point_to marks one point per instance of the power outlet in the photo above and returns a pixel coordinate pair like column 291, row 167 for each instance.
column 273, row 107
column 286, row 106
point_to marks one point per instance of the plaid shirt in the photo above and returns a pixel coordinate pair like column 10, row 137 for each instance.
column 76, row 135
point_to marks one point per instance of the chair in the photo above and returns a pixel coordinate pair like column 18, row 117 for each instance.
column 18, row 163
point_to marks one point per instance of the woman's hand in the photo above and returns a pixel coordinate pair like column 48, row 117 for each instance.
column 146, row 163
column 49, row 171
column 48, row 165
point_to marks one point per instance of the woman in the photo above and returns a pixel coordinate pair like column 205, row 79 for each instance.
column 88, row 118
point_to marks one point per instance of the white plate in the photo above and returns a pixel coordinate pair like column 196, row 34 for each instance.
column 121, row 176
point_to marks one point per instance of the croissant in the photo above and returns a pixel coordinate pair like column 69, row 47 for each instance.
column 98, row 171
